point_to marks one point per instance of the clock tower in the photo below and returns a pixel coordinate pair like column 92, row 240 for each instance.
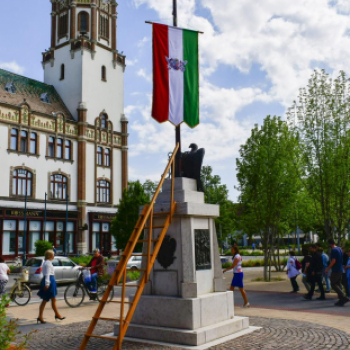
column 86, row 69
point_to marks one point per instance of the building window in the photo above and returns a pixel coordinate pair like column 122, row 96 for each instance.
column 22, row 182
column 107, row 157
column 24, row 141
column 63, row 25
column 102, row 195
column 58, row 189
column 14, row 139
column 62, row 72
column 51, row 147
column 104, row 30
column 33, row 143
column 103, row 73
column 103, row 121
column 68, row 150
column 59, row 150
column 83, row 22
column 99, row 155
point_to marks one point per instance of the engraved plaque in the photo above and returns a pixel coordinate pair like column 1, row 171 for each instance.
column 202, row 246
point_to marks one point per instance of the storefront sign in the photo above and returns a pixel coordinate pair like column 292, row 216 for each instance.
column 39, row 214
column 107, row 217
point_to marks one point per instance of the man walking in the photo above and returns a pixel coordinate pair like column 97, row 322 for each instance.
column 315, row 271
column 337, row 270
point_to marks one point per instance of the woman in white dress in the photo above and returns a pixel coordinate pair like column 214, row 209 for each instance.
column 48, row 288
column 4, row 278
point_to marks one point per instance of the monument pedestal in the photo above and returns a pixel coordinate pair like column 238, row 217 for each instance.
column 185, row 301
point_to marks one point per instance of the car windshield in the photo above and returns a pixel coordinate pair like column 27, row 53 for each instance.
column 34, row 262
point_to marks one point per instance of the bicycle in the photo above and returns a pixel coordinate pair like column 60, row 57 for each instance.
column 20, row 293
column 75, row 293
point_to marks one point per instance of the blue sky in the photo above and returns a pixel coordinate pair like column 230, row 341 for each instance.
column 254, row 56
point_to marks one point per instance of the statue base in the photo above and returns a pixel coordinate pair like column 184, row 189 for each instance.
column 191, row 322
column 186, row 301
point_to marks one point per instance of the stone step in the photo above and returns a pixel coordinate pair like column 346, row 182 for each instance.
column 181, row 196
column 179, row 336
column 181, row 183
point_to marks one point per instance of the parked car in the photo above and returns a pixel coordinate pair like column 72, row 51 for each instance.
column 65, row 269
column 133, row 263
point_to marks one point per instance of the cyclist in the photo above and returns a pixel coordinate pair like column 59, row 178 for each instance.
column 96, row 266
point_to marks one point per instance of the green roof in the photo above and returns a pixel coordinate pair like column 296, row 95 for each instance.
column 31, row 90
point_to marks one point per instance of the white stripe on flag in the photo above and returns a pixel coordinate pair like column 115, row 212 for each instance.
column 176, row 78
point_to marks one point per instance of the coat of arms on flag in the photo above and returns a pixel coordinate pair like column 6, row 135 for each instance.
column 175, row 75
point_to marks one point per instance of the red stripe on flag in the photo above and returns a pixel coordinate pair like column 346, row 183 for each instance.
column 160, row 109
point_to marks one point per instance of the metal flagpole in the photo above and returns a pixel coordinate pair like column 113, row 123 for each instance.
column 65, row 234
column 24, row 258
column 177, row 128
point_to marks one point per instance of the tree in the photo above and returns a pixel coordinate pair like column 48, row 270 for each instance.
column 216, row 193
column 268, row 183
column 150, row 187
column 321, row 121
column 128, row 213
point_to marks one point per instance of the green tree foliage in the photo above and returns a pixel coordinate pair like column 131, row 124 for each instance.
column 217, row 193
column 321, row 122
column 150, row 187
column 128, row 213
column 41, row 247
column 268, row 183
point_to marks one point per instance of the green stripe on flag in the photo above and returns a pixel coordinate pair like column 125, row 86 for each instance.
column 191, row 78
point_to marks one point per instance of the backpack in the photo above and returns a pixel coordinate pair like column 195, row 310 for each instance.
column 298, row 265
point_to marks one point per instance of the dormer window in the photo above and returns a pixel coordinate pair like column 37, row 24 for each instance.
column 10, row 87
column 103, row 122
column 45, row 97
column 83, row 22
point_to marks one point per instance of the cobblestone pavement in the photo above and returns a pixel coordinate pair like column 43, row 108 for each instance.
column 274, row 334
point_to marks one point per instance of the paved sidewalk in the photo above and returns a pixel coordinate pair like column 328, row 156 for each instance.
column 292, row 323
column 274, row 334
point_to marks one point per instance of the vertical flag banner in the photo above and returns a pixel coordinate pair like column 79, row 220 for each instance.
column 175, row 75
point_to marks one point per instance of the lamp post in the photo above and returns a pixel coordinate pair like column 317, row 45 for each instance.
column 66, row 224
column 24, row 258
column 45, row 217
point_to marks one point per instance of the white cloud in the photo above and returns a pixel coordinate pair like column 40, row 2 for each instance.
column 131, row 62
column 142, row 73
column 286, row 39
column 12, row 66
column 143, row 41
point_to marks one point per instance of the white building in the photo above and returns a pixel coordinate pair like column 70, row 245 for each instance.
column 65, row 140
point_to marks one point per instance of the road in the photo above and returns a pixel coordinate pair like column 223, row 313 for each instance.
column 60, row 291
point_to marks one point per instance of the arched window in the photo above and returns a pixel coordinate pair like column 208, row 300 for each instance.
column 68, row 150
column 22, row 182
column 59, row 150
column 107, row 157
column 14, row 139
column 103, row 121
column 99, row 156
column 83, row 22
column 33, row 143
column 24, row 141
column 104, row 26
column 62, row 72
column 63, row 25
column 103, row 73
column 102, row 195
column 58, row 187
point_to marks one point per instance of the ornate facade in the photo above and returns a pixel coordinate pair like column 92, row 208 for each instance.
column 63, row 143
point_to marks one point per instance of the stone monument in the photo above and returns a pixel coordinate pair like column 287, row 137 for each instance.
column 185, row 301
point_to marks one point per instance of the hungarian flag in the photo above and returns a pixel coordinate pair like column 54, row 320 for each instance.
column 175, row 75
